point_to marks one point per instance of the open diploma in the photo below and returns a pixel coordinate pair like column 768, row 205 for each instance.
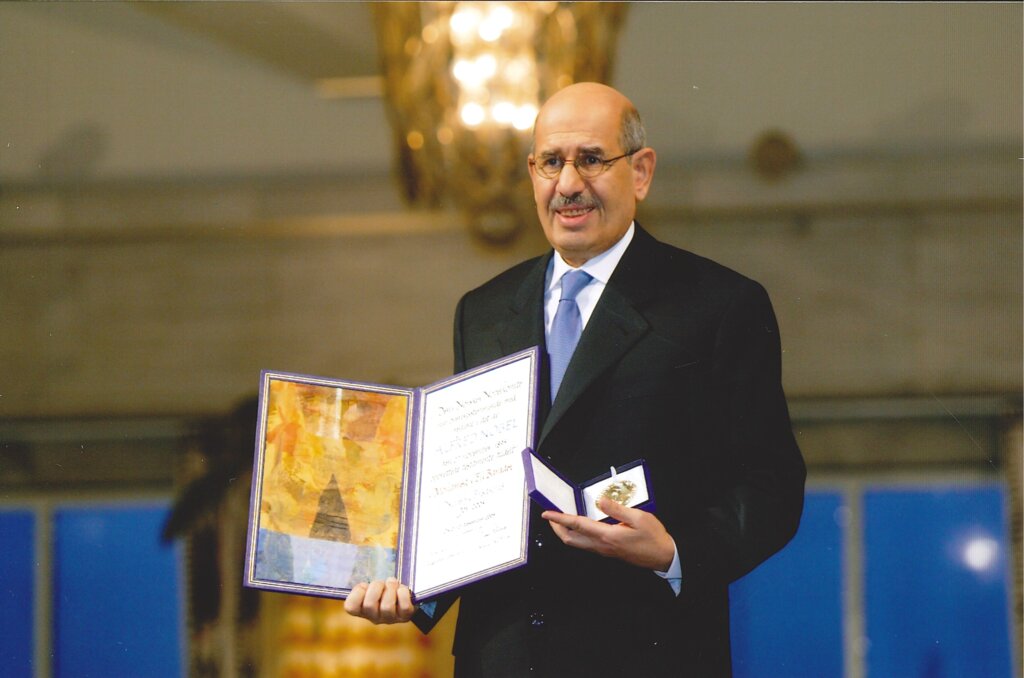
column 354, row 482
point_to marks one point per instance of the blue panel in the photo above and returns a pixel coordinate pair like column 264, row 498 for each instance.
column 116, row 598
column 936, row 583
column 787, row 617
column 17, row 592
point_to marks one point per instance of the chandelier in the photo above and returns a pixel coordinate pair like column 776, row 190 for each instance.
column 463, row 82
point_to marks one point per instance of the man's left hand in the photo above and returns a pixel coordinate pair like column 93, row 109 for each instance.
column 638, row 538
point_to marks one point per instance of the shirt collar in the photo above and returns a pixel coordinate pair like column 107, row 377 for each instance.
column 600, row 267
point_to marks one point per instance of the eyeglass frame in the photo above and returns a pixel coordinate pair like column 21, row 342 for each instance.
column 605, row 165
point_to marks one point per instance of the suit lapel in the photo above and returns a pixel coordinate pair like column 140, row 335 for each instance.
column 614, row 327
column 525, row 325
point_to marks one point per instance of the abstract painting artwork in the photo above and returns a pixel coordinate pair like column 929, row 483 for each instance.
column 331, row 483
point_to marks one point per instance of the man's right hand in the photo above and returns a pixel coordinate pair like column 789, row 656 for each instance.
column 382, row 602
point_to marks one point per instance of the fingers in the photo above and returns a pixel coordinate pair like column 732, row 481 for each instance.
column 372, row 602
column 561, row 519
column 396, row 602
column 623, row 514
column 595, row 528
column 578, row 524
column 406, row 608
column 388, row 601
column 381, row 602
column 620, row 512
column 576, row 531
column 354, row 602
column 638, row 538
column 575, row 539
column 563, row 532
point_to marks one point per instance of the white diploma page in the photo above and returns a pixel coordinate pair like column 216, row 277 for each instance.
column 472, row 507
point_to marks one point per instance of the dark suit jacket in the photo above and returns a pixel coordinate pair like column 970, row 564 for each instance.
column 680, row 365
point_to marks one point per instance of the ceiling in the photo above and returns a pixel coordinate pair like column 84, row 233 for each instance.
column 235, row 89
column 313, row 40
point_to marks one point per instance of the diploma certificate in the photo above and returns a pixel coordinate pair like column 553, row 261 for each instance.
column 354, row 482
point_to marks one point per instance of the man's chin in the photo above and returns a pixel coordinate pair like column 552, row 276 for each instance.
column 574, row 248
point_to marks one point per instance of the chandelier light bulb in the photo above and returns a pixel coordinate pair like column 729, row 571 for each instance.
column 464, row 21
column 497, row 21
column 504, row 112
column 475, row 73
column 472, row 114
column 503, row 16
column 524, row 117
column 489, row 31
column 464, row 71
column 486, row 66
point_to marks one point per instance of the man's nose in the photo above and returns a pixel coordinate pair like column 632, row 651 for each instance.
column 569, row 180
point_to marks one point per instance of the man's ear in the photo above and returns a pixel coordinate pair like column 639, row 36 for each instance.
column 529, row 166
column 643, row 164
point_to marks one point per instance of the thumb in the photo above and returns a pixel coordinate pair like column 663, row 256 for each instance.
column 615, row 510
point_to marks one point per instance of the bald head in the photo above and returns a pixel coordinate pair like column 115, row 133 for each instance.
column 631, row 134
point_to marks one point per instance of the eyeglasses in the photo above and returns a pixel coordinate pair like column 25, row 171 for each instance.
column 588, row 165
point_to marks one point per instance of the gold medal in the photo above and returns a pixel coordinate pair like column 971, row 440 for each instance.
column 621, row 491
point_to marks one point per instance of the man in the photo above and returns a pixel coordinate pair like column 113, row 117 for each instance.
column 678, row 363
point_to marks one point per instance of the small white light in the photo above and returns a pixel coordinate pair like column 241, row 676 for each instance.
column 499, row 19
column 504, row 112
column 980, row 553
column 472, row 114
column 486, row 66
column 474, row 73
column 489, row 31
column 464, row 21
column 503, row 16
column 525, row 115
column 463, row 71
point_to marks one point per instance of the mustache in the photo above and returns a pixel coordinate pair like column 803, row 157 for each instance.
column 579, row 200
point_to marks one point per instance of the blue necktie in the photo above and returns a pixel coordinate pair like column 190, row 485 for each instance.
column 567, row 326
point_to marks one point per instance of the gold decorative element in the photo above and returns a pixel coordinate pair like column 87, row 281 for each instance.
column 775, row 155
column 463, row 82
column 621, row 491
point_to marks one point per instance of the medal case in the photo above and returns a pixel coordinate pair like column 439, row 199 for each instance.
column 629, row 484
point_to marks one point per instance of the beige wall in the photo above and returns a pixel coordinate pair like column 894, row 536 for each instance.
column 914, row 291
